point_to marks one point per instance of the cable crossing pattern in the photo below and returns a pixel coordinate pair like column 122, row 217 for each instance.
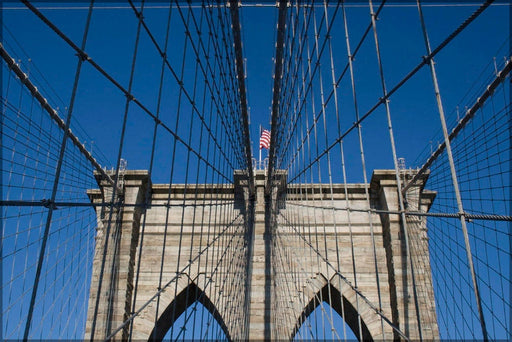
column 132, row 207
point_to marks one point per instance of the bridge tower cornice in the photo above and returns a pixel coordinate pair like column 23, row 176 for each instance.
column 161, row 214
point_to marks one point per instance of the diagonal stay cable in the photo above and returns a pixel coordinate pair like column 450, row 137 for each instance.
column 56, row 179
column 340, row 77
column 331, row 93
column 11, row 63
column 159, row 292
column 176, row 77
column 278, row 72
column 425, row 61
column 470, row 113
column 226, row 66
column 357, row 291
column 243, row 96
column 83, row 55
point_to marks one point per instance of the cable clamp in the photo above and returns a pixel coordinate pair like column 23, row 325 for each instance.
column 383, row 100
column 83, row 56
column 464, row 215
column 427, row 59
column 48, row 204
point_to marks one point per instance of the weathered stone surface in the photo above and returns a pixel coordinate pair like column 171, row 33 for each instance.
column 311, row 253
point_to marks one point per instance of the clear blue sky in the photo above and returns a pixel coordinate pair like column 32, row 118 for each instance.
column 99, row 105
column 463, row 66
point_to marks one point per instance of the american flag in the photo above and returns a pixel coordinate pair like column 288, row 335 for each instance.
column 265, row 139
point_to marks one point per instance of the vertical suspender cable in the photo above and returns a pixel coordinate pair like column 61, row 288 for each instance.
column 239, row 61
column 115, row 189
column 363, row 164
column 150, row 171
column 171, row 182
column 453, row 172
column 57, row 173
column 336, row 109
column 278, row 73
column 397, row 171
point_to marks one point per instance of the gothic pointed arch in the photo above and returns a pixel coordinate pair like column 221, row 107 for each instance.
column 187, row 297
column 348, row 312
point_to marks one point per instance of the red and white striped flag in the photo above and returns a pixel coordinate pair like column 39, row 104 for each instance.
column 265, row 139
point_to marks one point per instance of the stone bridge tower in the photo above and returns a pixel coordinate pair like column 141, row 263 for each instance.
column 171, row 215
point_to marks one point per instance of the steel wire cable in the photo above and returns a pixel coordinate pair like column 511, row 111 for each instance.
column 315, row 232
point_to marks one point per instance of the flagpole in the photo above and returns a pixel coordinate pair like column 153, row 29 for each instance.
column 259, row 163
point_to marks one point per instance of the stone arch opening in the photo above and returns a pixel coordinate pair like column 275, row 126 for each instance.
column 348, row 314
column 186, row 298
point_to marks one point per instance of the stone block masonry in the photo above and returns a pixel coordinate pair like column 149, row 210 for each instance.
column 243, row 257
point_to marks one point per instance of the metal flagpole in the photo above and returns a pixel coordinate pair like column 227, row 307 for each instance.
column 259, row 163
